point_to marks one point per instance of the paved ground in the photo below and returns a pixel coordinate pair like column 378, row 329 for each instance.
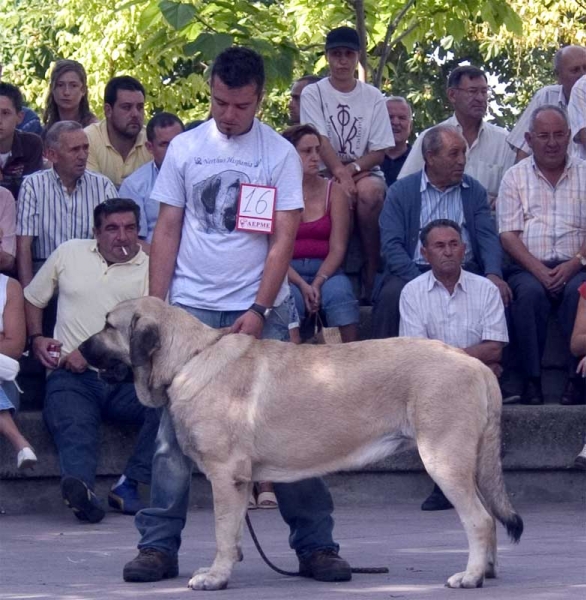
column 52, row 556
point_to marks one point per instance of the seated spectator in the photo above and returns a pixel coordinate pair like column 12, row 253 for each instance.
column 542, row 226
column 118, row 143
column 440, row 191
column 317, row 281
column 353, row 123
column 67, row 98
column 12, row 342
column 30, row 120
column 454, row 306
column 160, row 130
column 578, row 347
column 21, row 153
column 295, row 97
column 401, row 117
column 56, row 205
column 93, row 276
column 7, row 231
column 488, row 155
column 569, row 64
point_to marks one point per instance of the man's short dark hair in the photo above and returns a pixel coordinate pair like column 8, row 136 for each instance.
column 309, row 79
column 238, row 66
column 124, row 82
column 435, row 224
column 12, row 92
column 115, row 205
column 162, row 120
column 466, row 71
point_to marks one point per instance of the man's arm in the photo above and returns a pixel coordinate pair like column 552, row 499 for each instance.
column 412, row 323
column 24, row 259
column 513, row 244
column 488, row 352
column 164, row 249
column 275, row 269
column 340, row 171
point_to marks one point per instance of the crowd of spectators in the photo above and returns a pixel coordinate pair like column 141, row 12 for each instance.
column 469, row 234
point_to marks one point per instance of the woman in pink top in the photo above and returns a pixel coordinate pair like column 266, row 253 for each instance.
column 317, row 282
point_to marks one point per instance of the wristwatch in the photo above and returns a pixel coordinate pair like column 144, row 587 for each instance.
column 261, row 310
column 582, row 259
column 357, row 167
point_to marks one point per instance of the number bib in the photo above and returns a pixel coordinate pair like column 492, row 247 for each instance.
column 256, row 208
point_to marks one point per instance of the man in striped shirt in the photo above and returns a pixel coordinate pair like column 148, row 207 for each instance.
column 57, row 204
column 454, row 306
column 542, row 225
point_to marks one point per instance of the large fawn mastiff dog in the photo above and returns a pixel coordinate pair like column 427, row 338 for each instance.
column 247, row 410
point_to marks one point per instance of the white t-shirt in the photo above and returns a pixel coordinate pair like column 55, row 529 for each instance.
column 577, row 115
column 355, row 122
column 218, row 267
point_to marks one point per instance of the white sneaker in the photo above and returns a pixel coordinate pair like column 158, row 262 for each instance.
column 26, row 459
column 580, row 460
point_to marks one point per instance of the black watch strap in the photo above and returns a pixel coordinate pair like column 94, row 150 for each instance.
column 261, row 310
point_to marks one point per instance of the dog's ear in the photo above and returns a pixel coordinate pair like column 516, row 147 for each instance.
column 144, row 339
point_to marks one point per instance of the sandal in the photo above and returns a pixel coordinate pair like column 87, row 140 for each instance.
column 267, row 500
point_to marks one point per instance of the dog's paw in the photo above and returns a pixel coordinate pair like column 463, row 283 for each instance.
column 204, row 579
column 464, row 580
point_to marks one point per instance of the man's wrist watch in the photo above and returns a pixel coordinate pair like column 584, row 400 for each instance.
column 261, row 310
column 582, row 259
column 357, row 167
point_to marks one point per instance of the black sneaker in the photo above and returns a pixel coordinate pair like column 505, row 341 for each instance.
column 151, row 565
column 325, row 565
column 436, row 501
column 81, row 500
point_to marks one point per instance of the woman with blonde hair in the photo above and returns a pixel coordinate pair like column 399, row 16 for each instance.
column 67, row 98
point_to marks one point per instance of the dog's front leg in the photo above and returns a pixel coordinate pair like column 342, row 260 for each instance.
column 230, row 504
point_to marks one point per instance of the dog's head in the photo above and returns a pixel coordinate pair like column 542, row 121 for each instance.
column 129, row 339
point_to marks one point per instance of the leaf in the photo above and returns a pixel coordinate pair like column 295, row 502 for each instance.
column 209, row 45
column 178, row 15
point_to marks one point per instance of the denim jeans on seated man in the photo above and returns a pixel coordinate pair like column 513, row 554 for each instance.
column 306, row 506
column 75, row 406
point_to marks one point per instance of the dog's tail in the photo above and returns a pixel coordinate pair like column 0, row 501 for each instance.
column 489, row 469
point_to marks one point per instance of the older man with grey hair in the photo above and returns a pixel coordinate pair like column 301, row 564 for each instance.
column 440, row 191
column 569, row 64
column 57, row 204
column 401, row 117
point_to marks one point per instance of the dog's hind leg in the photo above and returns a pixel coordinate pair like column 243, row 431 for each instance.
column 231, row 496
column 457, row 482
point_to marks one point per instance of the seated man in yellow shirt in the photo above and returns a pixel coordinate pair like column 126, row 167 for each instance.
column 92, row 276
column 118, row 143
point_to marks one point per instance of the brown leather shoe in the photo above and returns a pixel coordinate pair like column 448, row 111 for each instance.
column 532, row 394
column 325, row 565
column 151, row 565
column 575, row 392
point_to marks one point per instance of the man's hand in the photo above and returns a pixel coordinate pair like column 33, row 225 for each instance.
column 543, row 275
column 311, row 297
column 561, row 274
column 250, row 323
column 581, row 370
column 504, row 289
column 40, row 348
column 345, row 179
column 74, row 362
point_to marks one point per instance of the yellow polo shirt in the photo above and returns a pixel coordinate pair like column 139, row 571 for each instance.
column 88, row 288
column 105, row 159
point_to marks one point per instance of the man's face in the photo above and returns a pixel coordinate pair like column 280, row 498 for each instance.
column 444, row 251
column 549, row 140
column 470, row 98
column 69, row 157
column 401, row 120
column 9, row 119
column 117, row 232
column 295, row 102
column 233, row 109
column 342, row 63
column 162, row 138
column 126, row 115
column 446, row 166
column 571, row 67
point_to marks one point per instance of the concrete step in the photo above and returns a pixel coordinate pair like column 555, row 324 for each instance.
column 538, row 448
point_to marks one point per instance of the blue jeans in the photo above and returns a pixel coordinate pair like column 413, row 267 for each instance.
column 76, row 404
column 338, row 302
column 306, row 506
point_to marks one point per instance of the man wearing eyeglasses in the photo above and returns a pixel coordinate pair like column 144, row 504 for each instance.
column 488, row 154
column 542, row 225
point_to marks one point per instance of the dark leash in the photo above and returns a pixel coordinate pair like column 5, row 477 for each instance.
column 297, row 574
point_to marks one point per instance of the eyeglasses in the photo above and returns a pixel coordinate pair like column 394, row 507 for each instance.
column 473, row 92
column 558, row 136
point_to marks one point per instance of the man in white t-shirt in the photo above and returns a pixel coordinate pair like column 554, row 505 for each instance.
column 577, row 116
column 228, row 277
column 352, row 119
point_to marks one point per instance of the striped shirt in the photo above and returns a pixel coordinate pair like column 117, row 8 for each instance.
column 550, row 94
column 47, row 212
column 577, row 115
column 438, row 204
column 552, row 220
column 473, row 313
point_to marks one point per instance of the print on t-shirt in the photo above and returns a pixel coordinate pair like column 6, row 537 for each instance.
column 215, row 201
column 346, row 129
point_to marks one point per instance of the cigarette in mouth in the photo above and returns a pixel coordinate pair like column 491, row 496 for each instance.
column 125, row 251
